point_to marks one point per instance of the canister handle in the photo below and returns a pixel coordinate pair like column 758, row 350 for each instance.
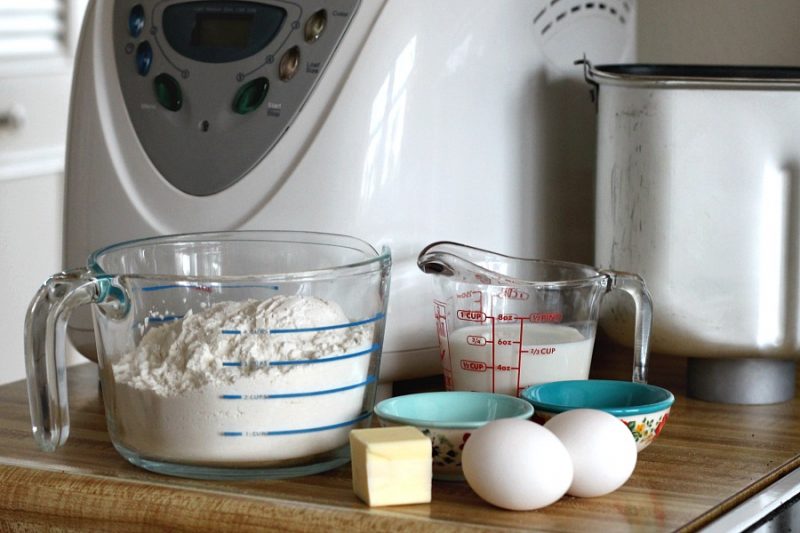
column 636, row 288
column 594, row 91
column 45, row 339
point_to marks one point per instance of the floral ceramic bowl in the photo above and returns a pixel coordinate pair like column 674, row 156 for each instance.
column 448, row 419
column 643, row 408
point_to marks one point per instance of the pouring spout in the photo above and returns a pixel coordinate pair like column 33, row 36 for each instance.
column 461, row 262
column 438, row 258
column 432, row 266
column 446, row 258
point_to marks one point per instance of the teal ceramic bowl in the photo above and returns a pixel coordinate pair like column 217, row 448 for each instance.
column 448, row 418
column 643, row 408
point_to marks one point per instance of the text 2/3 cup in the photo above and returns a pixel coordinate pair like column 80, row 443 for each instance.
column 505, row 323
column 222, row 355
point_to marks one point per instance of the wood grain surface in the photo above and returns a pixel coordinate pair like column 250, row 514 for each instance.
column 709, row 458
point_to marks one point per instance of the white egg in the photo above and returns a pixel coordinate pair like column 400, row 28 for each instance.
column 602, row 449
column 516, row 464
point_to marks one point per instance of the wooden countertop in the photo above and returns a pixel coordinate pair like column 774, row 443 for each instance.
column 708, row 459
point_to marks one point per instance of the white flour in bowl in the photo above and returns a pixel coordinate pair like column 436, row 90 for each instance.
column 237, row 384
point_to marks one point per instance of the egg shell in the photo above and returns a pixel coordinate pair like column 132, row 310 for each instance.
column 516, row 464
column 602, row 449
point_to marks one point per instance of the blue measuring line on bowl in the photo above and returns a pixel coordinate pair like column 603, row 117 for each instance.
column 370, row 379
column 206, row 288
column 329, row 359
column 281, row 331
column 196, row 287
column 359, row 418
column 363, row 416
column 162, row 318
column 278, row 331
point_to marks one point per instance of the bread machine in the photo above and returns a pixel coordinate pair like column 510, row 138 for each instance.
column 397, row 121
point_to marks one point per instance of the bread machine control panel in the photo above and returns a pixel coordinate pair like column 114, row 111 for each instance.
column 211, row 86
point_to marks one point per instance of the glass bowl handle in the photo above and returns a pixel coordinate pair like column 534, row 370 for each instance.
column 45, row 338
column 636, row 288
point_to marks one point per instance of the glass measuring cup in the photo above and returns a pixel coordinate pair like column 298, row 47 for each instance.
column 505, row 323
column 195, row 386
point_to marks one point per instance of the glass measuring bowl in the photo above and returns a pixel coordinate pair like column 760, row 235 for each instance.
column 505, row 323
column 192, row 385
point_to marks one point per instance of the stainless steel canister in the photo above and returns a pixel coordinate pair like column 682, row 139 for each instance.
column 698, row 192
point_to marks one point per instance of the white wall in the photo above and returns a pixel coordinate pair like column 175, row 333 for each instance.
column 756, row 32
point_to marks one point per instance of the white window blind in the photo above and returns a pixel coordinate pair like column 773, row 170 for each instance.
column 33, row 28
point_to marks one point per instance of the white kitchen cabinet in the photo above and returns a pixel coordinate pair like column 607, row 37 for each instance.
column 30, row 250
column 37, row 40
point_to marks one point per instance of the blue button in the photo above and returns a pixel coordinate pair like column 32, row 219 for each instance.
column 144, row 58
column 136, row 20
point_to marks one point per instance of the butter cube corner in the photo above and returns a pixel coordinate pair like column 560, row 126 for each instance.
column 391, row 465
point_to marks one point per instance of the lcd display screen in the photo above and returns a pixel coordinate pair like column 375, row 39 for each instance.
column 222, row 30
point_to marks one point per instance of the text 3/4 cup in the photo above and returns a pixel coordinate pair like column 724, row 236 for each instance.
column 505, row 323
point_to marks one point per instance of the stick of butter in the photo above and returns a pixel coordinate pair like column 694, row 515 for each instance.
column 391, row 465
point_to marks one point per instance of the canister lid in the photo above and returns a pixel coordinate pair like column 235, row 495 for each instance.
column 691, row 76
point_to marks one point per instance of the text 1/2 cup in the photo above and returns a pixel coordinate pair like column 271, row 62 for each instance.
column 222, row 355
column 505, row 323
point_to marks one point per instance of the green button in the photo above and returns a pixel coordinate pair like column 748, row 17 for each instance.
column 168, row 92
column 250, row 95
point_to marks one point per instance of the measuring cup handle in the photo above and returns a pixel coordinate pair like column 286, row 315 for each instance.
column 636, row 288
column 45, row 338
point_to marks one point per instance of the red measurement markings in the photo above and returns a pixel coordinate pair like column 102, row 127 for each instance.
column 538, row 318
column 441, row 327
column 471, row 316
column 477, row 340
column 475, row 296
column 480, row 366
column 511, row 293
column 507, row 342
column 519, row 356
column 473, row 366
column 494, row 344
column 543, row 350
